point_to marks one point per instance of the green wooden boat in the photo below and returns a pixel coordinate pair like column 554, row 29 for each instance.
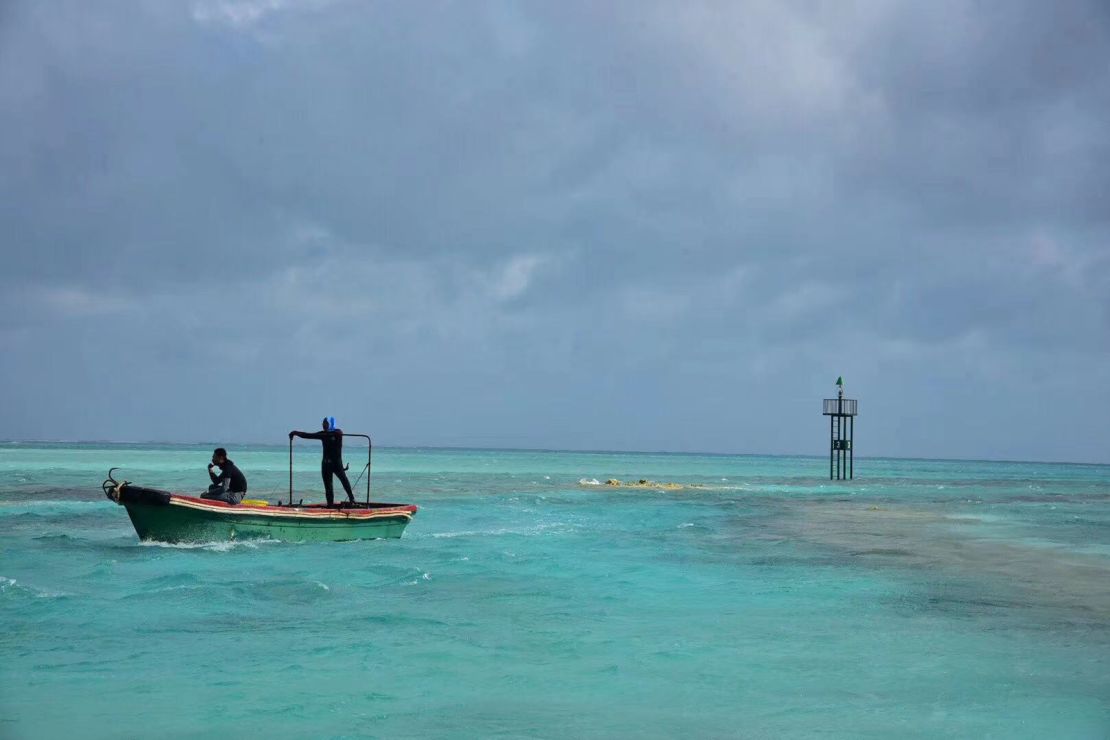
column 163, row 516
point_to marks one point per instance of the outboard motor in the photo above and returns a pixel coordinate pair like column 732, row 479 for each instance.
column 125, row 493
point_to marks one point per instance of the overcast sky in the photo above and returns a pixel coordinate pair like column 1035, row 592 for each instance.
column 596, row 225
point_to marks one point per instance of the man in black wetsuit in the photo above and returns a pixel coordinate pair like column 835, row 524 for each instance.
column 230, row 485
column 332, row 463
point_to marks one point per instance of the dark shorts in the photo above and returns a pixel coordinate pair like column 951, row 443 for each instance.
column 216, row 492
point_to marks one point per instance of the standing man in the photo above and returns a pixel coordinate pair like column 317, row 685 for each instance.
column 332, row 462
column 230, row 485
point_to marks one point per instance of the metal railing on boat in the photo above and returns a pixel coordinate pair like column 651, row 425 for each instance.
column 369, row 457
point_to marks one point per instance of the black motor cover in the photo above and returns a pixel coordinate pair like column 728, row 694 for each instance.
column 132, row 494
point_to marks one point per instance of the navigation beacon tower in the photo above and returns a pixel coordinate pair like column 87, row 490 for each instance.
column 842, row 423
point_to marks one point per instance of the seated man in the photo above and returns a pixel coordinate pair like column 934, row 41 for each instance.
column 231, row 484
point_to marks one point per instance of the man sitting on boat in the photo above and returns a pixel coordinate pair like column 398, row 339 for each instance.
column 332, row 464
column 230, row 485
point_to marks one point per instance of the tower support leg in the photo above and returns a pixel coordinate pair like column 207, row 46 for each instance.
column 851, row 447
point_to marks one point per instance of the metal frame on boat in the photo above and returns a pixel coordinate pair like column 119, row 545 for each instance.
column 369, row 456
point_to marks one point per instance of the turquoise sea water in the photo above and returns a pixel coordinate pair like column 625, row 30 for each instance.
column 924, row 599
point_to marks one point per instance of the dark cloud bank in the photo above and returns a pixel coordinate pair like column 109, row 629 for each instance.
column 576, row 225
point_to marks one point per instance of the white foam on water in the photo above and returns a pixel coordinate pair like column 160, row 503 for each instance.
column 539, row 529
column 589, row 482
column 10, row 584
column 180, row 587
column 220, row 546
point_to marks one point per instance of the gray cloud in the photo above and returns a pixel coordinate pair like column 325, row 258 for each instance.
column 639, row 225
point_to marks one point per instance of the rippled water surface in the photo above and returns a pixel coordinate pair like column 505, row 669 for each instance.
column 927, row 598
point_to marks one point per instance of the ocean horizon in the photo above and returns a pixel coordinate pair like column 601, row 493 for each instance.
column 540, row 449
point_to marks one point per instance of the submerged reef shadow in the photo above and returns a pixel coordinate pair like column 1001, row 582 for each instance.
column 962, row 569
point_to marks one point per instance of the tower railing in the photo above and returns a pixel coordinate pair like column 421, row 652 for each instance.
column 840, row 407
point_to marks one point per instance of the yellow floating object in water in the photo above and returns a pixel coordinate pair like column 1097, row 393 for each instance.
column 645, row 483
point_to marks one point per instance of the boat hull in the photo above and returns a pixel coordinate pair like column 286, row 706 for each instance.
column 174, row 523
column 167, row 517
